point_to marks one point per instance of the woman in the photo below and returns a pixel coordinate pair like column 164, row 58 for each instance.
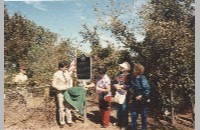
column 141, row 92
column 122, row 84
column 103, row 87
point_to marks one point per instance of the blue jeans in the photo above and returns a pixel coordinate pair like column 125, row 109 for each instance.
column 143, row 113
column 122, row 114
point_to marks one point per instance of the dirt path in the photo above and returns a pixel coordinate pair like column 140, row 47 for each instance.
column 18, row 117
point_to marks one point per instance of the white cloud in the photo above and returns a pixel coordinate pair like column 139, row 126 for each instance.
column 107, row 38
column 37, row 4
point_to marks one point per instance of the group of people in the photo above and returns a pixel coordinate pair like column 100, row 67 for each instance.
column 133, row 85
column 129, row 82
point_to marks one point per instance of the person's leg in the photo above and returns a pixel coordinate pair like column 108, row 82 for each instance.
column 68, row 113
column 61, row 109
column 134, row 120
column 106, row 117
column 144, row 118
column 119, row 115
column 124, row 115
column 101, row 112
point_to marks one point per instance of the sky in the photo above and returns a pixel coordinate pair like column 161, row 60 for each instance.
column 67, row 17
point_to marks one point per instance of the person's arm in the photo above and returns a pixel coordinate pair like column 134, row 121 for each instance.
column 118, row 86
column 91, row 85
column 70, row 82
column 54, row 82
column 145, row 88
column 108, row 86
column 106, row 89
column 128, row 84
column 98, row 89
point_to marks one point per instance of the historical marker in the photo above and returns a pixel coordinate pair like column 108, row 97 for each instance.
column 84, row 68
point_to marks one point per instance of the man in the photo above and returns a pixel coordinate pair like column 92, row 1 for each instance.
column 21, row 77
column 62, row 81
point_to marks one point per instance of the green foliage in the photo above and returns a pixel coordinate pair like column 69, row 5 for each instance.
column 107, row 57
column 170, row 39
column 168, row 49
column 33, row 46
column 17, row 38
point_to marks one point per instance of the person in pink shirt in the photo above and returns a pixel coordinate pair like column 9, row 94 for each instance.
column 103, row 87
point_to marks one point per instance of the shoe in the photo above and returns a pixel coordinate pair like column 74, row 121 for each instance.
column 115, row 124
column 70, row 124
column 123, row 128
column 62, row 126
column 103, row 126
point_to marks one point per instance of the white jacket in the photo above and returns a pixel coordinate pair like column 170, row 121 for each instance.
column 60, row 82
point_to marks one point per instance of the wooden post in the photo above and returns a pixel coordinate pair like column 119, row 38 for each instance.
column 85, row 112
column 85, row 107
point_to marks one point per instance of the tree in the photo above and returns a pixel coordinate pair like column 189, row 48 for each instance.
column 170, row 34
column 18, row 38
column 44, row 59
column 167, row 50
column 100, row 56
column 34, row 46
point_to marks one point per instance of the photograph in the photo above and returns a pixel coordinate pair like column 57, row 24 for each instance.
column 99, row 64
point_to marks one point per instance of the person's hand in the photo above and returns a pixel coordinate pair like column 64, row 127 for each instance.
column 118, row 86
column 91, row 85
column 139, row 97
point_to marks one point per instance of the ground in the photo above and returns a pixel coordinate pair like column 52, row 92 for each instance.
column 20, row 116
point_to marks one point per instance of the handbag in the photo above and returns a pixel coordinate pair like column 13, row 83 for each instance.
column 119, row 98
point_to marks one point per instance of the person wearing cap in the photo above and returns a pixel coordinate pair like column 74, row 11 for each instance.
column 103, row 89
column 140, row 99
column 122, row 83
column 21, row 77
column 61, row 82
